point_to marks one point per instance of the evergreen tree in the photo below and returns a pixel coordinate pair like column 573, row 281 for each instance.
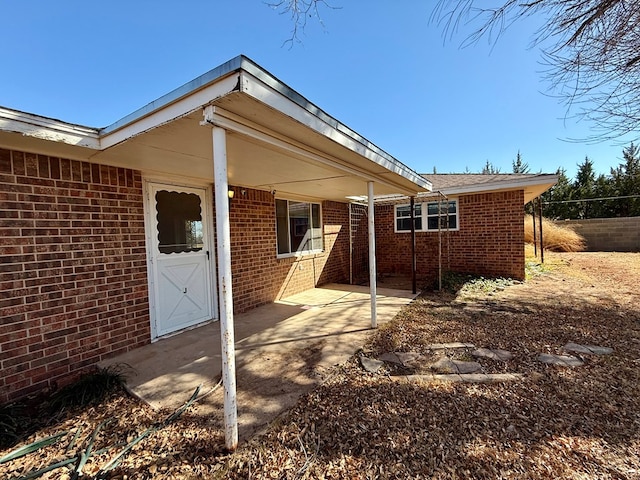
column 625, row 179
column 489, row 169
column 584, row 187
column 602, row 188
column 560, row 192
column 519, row 166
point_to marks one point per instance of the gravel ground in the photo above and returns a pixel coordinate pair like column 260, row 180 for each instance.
column 557, row 422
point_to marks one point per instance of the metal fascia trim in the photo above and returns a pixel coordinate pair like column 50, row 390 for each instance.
column 183, row 91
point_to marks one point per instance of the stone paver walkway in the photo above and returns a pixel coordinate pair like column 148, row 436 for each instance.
column 447, row 365
column 447, row 369
column 587, row 349
column 460, row 377
column 500, row 355
column 562, row 360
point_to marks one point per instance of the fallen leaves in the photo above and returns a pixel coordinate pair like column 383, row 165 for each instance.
column 558, row 422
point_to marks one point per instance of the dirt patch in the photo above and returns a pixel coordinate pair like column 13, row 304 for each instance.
column 557, row 422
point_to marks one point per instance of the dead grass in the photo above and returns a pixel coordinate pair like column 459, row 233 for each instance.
column 579, row 423
column 556, row 238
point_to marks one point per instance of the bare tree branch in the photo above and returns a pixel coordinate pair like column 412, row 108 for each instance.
column 300, row 12
column 590, row 49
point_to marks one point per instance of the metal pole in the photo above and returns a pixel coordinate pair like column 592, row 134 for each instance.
column 414, row 288
column 541, row 242
column 440, row 195
column 223, row 234
column 372, row 256
column 350, row 206
column 535, row 244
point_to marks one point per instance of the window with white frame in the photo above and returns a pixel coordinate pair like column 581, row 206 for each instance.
column 427, row 215
column 298, row 227
column 445, row 211
column 403, row 217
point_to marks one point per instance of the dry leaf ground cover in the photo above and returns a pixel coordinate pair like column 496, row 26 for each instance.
column 557, row 422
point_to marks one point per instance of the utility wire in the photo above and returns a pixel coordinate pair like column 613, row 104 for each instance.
column 590, row 199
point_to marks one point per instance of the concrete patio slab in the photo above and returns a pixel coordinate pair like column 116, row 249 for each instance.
column 334, row 318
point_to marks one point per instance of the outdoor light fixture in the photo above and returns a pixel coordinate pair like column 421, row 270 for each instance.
column 231, row 194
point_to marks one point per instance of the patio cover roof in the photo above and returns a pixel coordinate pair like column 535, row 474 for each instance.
column 276, row 139
column 454, row 184
column 533, row 184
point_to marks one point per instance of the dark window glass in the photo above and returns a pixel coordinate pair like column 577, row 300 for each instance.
column 298, row 225
column 179, row 218
column 403, row 217
column 440, row 210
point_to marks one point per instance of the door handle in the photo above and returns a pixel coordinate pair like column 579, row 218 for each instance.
column 185, row 290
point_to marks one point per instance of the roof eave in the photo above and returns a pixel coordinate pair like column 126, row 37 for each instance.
column 514, row 184
column 50, row 129
column 252, row 80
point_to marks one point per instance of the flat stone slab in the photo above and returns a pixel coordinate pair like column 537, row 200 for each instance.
column 501, row 355
column 587, row 349
column 409, row 359
column 371, row 365
column 461, row 378
column 390, row 357
column 446, row 365
column 406, row 359
column 443, row 346
column 564, row 360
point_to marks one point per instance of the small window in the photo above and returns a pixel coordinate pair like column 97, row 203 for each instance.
column 298, row 227
column 403, row 217
column 446, row 211
column 427, row 215
column 179, row 225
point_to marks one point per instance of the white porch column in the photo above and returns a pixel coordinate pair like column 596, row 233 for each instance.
column 221, row 186
column 372, row 256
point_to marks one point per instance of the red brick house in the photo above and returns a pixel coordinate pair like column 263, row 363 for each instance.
column 228, row 193
column 469, row 223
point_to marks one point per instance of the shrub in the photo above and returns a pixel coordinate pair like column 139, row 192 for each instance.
column 556, row 238
column 19, row 420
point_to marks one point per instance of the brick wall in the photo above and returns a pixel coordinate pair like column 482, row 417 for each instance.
column 490, row 240
column 72, row 268
column 259, row 277
column 608, row 234
column 73, row 265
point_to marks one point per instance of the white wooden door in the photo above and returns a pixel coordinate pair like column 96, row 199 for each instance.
column 180, row 257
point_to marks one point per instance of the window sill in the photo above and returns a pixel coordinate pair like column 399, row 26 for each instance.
column 309, row 253
column 429, row 231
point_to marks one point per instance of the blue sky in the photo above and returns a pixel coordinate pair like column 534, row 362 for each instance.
column 380, row 68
